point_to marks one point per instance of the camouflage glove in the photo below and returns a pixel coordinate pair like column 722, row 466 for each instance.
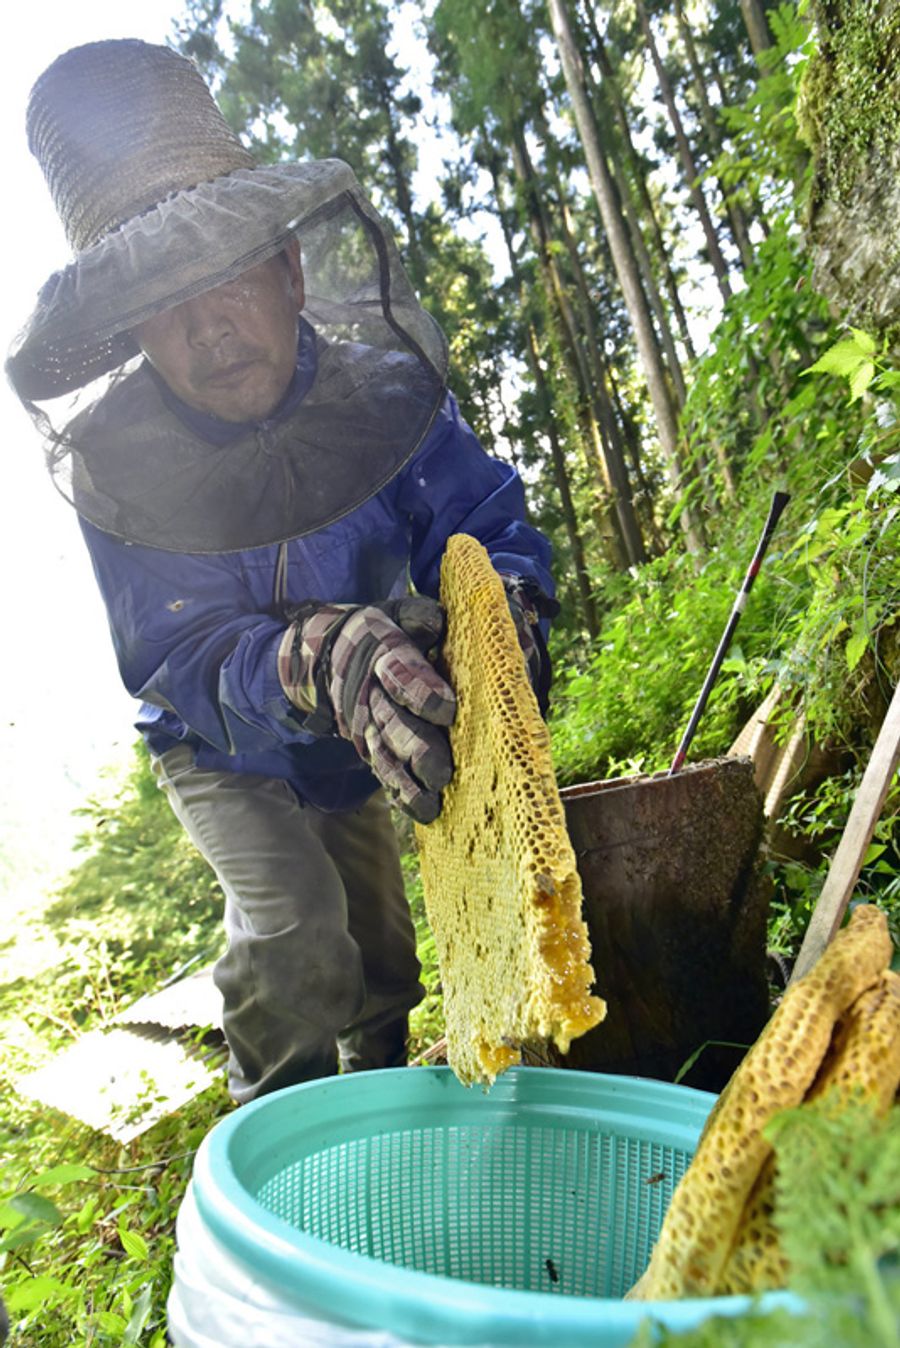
column 360, row 671
column 527, row 605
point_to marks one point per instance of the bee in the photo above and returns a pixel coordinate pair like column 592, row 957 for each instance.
column 657, row 1178
column 551, row 1269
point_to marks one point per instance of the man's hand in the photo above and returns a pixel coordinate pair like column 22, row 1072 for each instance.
column 361, row 670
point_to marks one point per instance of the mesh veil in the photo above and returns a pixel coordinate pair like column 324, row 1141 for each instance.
column 132, row 467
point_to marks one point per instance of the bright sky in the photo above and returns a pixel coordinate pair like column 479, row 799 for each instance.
column 64, row 712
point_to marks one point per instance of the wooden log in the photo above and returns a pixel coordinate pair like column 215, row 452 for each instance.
column 676, row 911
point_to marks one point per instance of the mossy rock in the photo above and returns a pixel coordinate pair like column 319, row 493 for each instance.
column 849, row 114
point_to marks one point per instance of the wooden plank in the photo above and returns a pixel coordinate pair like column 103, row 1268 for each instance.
column 848, row 859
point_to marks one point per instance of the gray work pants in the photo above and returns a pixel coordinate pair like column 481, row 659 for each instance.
column 321, row 961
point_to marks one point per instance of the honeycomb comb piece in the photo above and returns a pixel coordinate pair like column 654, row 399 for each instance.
column 502, row 892
column 706, row 1209
column 862, row 1063
column 864, row 1059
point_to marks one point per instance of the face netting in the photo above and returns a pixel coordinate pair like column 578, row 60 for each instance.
column 119, row 452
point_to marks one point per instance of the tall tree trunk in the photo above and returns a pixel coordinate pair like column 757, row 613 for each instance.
column 685, row 154
column 611, row 456
column 402, row 191
column 623, row 258
column 651, row 290
column 644, row 494
column 590, row 433
column 586, row 599
column 754, row 16
column 614, row 411
column 587, row 602
column 736, row 218
column 586, row 310
column 610, row 86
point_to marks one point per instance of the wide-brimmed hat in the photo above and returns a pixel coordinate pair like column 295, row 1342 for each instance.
column 161, row 201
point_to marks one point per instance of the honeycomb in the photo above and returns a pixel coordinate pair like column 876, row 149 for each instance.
column 502, row 891
column 864, row 1059
column 708, row 1206
column 862, row 1063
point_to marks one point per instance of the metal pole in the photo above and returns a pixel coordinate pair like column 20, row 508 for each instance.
column 779, row 501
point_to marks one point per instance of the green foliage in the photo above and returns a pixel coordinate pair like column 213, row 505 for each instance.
column 822, row 618
column 625, row 709
column 767, row 154
column 86, row 1225
column 86, row 1254
column 838, row 1187
column 426, row 1021
column 86, row 1244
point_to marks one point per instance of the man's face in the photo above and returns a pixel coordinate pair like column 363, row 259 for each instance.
column 231, row 351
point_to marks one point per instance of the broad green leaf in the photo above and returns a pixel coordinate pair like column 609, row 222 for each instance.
column 35, row 1292
column 865, row 343
column 63, row 1174
column 139, row 1314
column 36, row 1208
column 134, row 1244
column 831, row 518
column 860, row 379
column 109, row 1322
column 21, row 1237
column 842, row 358
column 856, row 646
column 873, row 852
column 86, row 1213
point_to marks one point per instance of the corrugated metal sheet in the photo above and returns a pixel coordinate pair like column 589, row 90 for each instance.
column 190, row 1001
column 157, row 1055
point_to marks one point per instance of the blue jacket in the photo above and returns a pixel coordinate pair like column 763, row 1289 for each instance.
column 196, row 636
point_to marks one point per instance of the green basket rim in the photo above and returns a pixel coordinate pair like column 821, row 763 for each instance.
column 413, row 1303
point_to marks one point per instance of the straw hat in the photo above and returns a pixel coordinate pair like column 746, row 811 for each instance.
column 159, row 200
column 119, row 126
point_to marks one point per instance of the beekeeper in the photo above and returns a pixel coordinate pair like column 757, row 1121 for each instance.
column 247, row 406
